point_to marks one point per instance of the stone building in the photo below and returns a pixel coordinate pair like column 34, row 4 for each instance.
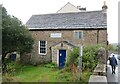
column 56, row 34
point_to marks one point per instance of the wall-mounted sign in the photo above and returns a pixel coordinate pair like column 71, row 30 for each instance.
column 56, row 35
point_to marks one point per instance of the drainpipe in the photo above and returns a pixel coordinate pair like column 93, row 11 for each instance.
column 97, row 36
column 50, row 54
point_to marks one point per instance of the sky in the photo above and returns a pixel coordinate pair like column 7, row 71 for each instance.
column 24, row 9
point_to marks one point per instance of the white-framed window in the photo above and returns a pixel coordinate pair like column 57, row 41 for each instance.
column 42, row 47
column 78, row 34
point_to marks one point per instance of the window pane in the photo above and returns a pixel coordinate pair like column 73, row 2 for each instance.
column 78, row 35
column 42, row 47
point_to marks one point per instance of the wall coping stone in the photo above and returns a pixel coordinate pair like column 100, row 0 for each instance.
column 96, row 78
column 100, row 69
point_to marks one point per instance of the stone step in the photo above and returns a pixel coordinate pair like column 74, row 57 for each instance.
column 95, row 79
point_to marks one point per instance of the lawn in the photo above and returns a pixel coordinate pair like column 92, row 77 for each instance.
column 40, row 73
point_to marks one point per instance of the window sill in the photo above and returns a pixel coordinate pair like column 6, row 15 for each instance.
column 42, row 54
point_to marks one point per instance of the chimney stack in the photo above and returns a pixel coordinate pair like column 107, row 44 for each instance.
column 81, row 8
column 104, row 7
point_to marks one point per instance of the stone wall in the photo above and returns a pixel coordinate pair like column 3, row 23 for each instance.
column 103, row 37
column 25, row 58
column 102, row 55
column 90, row 37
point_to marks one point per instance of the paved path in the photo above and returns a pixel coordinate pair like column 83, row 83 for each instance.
column 94, row 79
column 119, row 72
column 113, row 78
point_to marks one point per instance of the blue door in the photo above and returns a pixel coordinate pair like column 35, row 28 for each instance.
column 62, row 58
column 13, row 57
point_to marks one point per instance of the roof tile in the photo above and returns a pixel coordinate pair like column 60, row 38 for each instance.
column 88, row 19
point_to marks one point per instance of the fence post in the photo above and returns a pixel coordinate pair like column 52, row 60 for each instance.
column 80, row 62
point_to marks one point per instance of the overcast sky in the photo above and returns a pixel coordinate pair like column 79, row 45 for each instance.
column 24, row 9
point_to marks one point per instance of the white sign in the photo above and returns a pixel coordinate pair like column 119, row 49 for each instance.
column 56, row 35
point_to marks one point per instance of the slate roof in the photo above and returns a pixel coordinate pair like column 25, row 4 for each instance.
column 76, row 20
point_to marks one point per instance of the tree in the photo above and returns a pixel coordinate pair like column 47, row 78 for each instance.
column 111, row 48
column 15, row 36
column 117, row 48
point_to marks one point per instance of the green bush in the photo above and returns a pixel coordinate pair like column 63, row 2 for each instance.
column 85, row 77
column 12, row 68
column 72, row 57
column 89, row 60
column 65, row 76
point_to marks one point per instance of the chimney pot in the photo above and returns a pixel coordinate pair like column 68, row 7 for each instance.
column 81, row 8
column 104, row 7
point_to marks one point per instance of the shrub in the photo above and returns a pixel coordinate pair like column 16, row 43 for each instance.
column 12, row 68
column 73, row 57
column 89, row 59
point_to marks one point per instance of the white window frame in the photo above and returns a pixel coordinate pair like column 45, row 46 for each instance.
column 81, row 35
column 39, row 47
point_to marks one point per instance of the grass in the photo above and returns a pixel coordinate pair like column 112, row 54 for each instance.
column 41, row 73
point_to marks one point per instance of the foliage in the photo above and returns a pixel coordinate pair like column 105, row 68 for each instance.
column 111, row 47
column 72, row 61
column 51, row 65
column 15, row 36
column 85, row 76
column 40, row 73
column 117, row 48
column 73, row 57
column 12, row 67
column 89, row 60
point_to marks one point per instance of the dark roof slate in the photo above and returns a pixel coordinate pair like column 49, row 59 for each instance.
column 88, row 19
